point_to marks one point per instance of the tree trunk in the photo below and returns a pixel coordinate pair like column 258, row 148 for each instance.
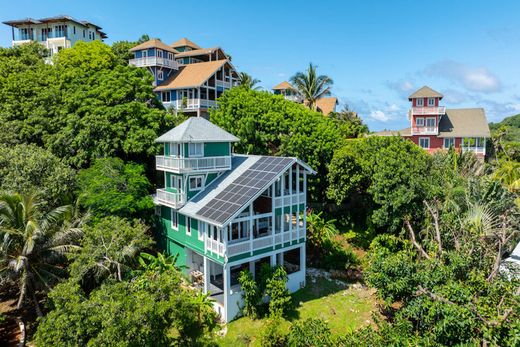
column 36, row 305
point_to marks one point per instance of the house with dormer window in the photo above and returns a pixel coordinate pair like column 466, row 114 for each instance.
column 221, row 213
column 434, row 127
column 187, row 78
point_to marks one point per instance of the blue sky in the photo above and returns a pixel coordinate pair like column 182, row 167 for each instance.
column 377, row 52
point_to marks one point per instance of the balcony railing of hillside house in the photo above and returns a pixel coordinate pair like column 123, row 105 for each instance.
column 294, row 98
column 223, row 84
column 215, row 246
column 176, row 164
column 190, row 104
column 422, row 111
column 425, row 130
column 154, row 61
column 172, row 199
column 476, row 150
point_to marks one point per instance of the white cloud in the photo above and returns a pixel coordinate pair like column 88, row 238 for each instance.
column 403, row 87
column 380, row 116
column 476, row 79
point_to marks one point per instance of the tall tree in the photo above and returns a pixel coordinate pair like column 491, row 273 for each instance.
column 247, row 81
column 34, row 244
column 311, row 85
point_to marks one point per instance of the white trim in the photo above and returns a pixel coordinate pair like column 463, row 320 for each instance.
column 451, row 139
column 160, row 76
column 176, row 214
column 195, row 145
column 424, row 138
column 434, row 122
column 188, row 225
column 200, row 231
column 417, row 124
column 419, row 104
column 433, row 102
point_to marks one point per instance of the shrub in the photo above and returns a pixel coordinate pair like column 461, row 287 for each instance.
column 250, row 293
column 276, row 290
column 312, row 332
column 271, row 334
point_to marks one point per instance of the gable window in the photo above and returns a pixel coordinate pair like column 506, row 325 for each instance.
column 419, row 121
column 160, row 75
column 196, row 149
column 188, row 226
column 420, row 102
column 175, row 220
column 431, row 101
column 165, row 96
column 196, row 182
column 424, row 142
column 449, row 142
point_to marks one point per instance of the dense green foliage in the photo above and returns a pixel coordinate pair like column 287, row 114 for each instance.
column 88, row 104
column 309, row 333
column 381, row 178
column 270, row 125
column 34, row 244
column 152, row 308
column 112, row 187
column 31, row 169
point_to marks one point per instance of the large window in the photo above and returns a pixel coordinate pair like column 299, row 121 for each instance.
column 196, row 182
column 420, row 102
column 166, row 96
column 430, row 122
column 449, row 142
column 419, row 121
column 175, row 220
column 424, row 142
column 431, row 101
column 196, row 149
column 176, row 149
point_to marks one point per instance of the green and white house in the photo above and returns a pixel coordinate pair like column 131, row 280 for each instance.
column 221, row 213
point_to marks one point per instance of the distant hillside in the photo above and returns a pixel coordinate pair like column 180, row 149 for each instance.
column 512, row 125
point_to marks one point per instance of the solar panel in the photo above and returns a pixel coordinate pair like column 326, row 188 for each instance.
column 243, row 188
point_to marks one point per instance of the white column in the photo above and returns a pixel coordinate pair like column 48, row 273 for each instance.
column 251, row 229
column 206, row 274
column 225, row 275
column 273, row 215
column 298, row 201
column 272, row 260
column 302, row 261
column 290, row 204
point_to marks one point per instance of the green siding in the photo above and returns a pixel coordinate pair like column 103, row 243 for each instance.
column 216, row 149
column 166, row 149
column 180, row 235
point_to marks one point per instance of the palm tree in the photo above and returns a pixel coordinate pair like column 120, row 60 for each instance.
column 311, row 86
column 508, row 173
column 34, row 244
column 247, row 81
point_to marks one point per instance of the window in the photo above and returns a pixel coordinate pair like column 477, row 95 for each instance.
column 159, row 53
column 431, row 101
column 201, row 230
column 424, row 142
column 419, row 121
column 175, row 220
column 430, row 122
column 196, row 182
column 165, row 96
column 176, row 149
column 188, row 226
column 160, row 75
column 419, row 102
column 196, row 149
column 170, row 56
column 449, row 142
column 74, row 29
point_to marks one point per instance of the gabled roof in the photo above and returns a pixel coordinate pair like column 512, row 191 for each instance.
column 60, row 18
column 197, row 129
column 425, row 92
column 464, row 122
column 284, row 85
column 191, row 75
column 327, row 105
column 201, row 51
column 224, row 198
column 185, row 42
column 153, row 43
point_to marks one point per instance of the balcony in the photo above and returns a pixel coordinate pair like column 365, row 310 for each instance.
column 423, row 111
column 154, row 61
column 169, row 198
column 425, row 130
column 223, row 84
column 181, row 165
column 190, row 104
column 294, row 98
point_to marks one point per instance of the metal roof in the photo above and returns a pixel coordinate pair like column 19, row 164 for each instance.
column 224, row 198
column 197, row 129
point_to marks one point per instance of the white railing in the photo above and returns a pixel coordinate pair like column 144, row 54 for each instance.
column 192, row 164
column 262, row 242
column 294, row 98
column 190, row 104
column 476, row 150
column 239, row 248
column 425, row 130
column 171, row 199
column 421, row 111
column 154, row 61
column 223, row 84
column 215, row 246
column 288, row 200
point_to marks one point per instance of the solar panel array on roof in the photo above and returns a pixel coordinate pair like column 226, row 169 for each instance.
column 243, row 188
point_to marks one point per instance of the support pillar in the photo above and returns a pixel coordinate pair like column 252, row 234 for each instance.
column 206, row 275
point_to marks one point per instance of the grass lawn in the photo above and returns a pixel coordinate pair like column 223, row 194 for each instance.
column 343, row 308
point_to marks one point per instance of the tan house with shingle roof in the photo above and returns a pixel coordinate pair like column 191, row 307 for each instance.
column 433, row 127
column 187, row 78
column 324, row 105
